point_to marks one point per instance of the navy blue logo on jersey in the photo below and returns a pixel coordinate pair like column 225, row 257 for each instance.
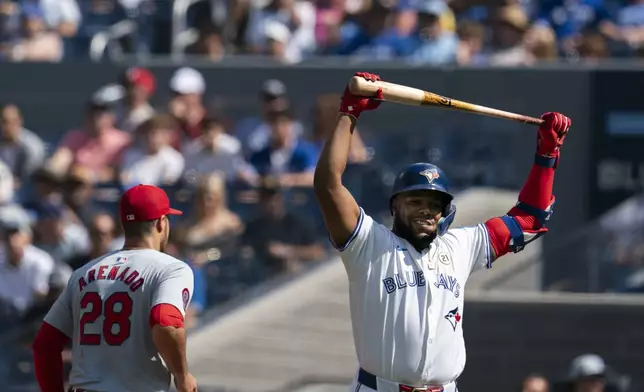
column 454, row 317
column 448, row 282
column 403, row 280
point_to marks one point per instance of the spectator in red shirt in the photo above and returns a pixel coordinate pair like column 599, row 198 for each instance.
column 98, row 146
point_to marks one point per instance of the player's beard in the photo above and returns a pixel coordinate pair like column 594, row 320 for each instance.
column 420, row 241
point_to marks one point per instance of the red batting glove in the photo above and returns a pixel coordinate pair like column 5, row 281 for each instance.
column 353, row 105
column 552, row 133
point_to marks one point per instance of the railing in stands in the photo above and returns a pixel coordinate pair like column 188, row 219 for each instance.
column 108, row 41
column 604, row 255
column 182, row 36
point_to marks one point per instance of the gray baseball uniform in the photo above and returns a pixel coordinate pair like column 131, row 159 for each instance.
column 105, row 310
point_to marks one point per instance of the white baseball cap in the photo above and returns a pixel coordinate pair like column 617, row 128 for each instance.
column 587, row 365
column 188, row 80
column 277, row 31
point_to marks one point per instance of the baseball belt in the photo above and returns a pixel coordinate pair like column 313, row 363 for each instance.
column 370, row 381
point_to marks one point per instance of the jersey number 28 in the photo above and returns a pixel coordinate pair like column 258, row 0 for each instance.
column 112, row 318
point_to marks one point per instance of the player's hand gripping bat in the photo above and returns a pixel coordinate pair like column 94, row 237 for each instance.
column 406, row 95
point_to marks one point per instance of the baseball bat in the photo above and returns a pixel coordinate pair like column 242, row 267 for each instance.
column 406, row 95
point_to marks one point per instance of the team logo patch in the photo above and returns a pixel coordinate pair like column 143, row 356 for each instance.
column 454, row 317
column 430, row 175
column 444, row 258
column 185, row 295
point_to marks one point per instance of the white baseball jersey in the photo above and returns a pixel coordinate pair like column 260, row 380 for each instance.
column 407, row 307
column 105, row 309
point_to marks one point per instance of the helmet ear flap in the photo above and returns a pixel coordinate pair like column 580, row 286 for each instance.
column 447, row 219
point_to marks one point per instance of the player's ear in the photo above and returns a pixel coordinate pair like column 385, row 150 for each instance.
column 393, row 205
column 159, row 226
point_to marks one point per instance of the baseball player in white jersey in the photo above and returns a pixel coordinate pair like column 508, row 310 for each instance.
column 123, row 312
column 406, row 285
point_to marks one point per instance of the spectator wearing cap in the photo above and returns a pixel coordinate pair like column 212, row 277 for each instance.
column 287, row 157
column 58, row 234
column 278, row 237
column 139, row 85
column 215, row 151
column 434, row 43
column 254, row 132
column 287, row 22
column 186, row 105
column 99, row 145
column 22, row 150
column 277, row 46
column 589, row 373
column 25, row 270
column 37, row 42
column 509, row 27
column 156, row 162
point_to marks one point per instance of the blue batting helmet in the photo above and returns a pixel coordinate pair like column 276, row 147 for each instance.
column 425, row 176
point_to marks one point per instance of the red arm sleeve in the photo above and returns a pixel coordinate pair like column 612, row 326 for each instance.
column 48, row 362
column 537, row 194
column 527, row 220
column 166, row 315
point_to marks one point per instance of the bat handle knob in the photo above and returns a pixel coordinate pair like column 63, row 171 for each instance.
column 363, row 87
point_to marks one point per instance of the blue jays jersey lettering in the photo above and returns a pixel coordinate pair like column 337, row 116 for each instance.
column 404, row 280
column 448, row 282
column 407, row 306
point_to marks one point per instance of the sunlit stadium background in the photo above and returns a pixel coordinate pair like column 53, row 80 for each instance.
column 271, row 306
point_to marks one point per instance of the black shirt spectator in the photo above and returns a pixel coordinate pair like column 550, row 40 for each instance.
column 277, row 236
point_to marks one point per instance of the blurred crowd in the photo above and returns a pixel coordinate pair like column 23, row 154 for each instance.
column 244, row 187
column 420, row 32
column 586, row 373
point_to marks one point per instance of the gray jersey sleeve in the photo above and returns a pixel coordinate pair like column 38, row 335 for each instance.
column 175, row 287
column 60, row 314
